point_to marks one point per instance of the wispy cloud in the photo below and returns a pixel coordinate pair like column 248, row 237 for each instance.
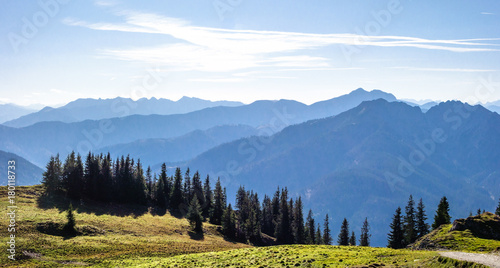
column 219, row 50
column 487, row 13
column 461, row 70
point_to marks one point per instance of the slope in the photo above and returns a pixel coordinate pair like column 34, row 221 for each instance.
column 367, row 161
column 26, row 172
column 110, row 232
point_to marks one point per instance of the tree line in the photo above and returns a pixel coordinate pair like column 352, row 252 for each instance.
column 124, row 180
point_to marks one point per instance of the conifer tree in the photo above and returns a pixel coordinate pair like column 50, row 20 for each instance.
column 228, row 222
column 70, row 226
column 396, row 235
column 310, row 225
column 194, row 215
column 208, row 205
column 188, row 195
column 176, row 198
column 421, row 217
column 409, row 224
column 442, row 214
column 352, row 239
column 166, row 186
column 364, row 238
column 327, row 236
column 149, row 183
column 276, row 209
column 218, row 211
column 298, row 218
column 319, row 237
column 105, row 192
column 283, row 228
column 52, row 177
column 197, row 187
column 267, row 216
column 343, row 239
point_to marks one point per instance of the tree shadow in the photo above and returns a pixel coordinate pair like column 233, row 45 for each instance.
column 196, row 236
column 88, row 206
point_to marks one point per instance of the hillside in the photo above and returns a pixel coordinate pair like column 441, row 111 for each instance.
column 111, row 233
column 354, row 164
column 480, row 233
column 26, row 172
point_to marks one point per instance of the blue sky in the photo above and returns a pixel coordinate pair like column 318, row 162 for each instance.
column 54, row 51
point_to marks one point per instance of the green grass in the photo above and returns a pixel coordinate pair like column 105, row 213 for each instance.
column 299, row 256
column 132, row 232
column 134, row 236
column 458, row 240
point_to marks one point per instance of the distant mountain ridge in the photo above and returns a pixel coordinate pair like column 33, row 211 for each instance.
column 96, row 109
column 39, row 141
column 12, row 111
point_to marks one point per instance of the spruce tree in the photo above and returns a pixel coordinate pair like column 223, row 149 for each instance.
column 396, row 235
column 70, row 226
column 149, row 183
column 421, row 217
column 319, row 238
column 218, row 211
column 343, row 239
column 267, row 216
column 188, row 191
column 228, row 222
column 283, row 228
column 208, row 205
column 52, row 177
column 176, row 199
column 166, row 186
column 442, row 214
column 327, row 236
column 197, row 187
column 309, row 229
column 298, row 218
column 364, row 238
column 352, row 239
column 194, row 215
column 498, row 208
column 409, row 223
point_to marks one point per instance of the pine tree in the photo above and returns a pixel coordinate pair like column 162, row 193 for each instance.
column 70, row 226
column 208, row 205
column 52, row 177
column 327, row 236
column 228, row 222
column 421, row 217
column 176, row 199
column 194, row 215
column 139, row 182
column 218, row 211
column 106, row 179
column 498, row 208
column 352, row 239
column 267, row 216
column 364, row 238
column 188, row 194
column 166, row 186
column 149, row 182
column 409, row 223
column 319, row 238
column 343, row 239
column 310, row 234
column 396, row 235
column 298, row 218
column 198, row 188
column 283, row 228
column 442, row 214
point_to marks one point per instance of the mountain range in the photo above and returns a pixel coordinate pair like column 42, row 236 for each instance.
column 39, row 141
column 367, row 161
column 96, row 109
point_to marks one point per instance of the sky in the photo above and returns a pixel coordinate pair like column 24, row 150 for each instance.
column 56, row 51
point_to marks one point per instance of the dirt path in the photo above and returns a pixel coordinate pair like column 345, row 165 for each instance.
column 489, row 259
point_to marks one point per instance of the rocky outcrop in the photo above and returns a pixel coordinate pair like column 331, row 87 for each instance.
column 486, row 225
